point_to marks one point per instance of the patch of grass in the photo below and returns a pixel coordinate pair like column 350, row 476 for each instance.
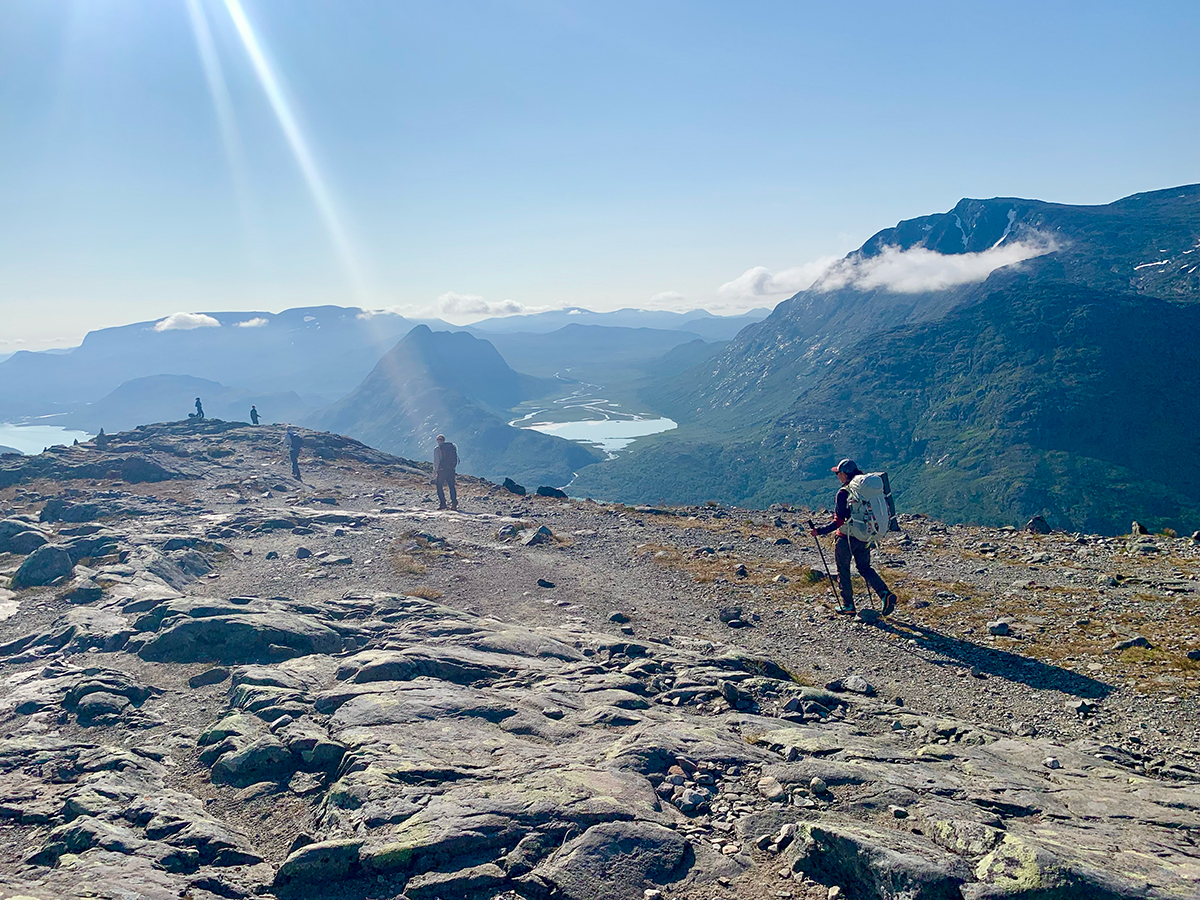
column 1156, row 657
column 425, row 593
column 405, row 564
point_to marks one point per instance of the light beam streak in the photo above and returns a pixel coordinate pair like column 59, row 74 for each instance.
column 223, row 107
column 299, row 146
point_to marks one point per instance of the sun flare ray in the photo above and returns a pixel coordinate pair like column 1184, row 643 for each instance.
column 299, row 146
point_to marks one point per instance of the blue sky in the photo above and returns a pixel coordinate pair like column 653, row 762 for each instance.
column 604, row 154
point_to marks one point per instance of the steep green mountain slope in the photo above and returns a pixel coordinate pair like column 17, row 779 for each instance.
column 1145, row 244
column 1063, row 385
column 455, row 384
column 1039, row 399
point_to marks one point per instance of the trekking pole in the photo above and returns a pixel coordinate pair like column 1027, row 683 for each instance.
column 825, row 565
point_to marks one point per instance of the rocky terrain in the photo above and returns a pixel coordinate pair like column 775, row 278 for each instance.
column 219, row 682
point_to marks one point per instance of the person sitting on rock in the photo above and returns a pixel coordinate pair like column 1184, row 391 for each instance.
column 253, row 414
column 445, row 461
column 848, row 546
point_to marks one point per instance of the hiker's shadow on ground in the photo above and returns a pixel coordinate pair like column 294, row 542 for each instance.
column 1001, row 663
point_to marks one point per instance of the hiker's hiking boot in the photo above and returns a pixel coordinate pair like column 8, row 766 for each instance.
column 846, row 609
column 889, row 603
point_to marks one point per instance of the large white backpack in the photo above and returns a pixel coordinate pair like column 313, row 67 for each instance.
column 869, row 513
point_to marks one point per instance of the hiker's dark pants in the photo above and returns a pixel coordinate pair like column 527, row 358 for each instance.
column 846, row 547
column 295, row 454
column 445, row 480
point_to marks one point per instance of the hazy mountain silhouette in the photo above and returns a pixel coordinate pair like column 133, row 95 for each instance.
column 324, row 350
column 458, row 385
column 165, row 398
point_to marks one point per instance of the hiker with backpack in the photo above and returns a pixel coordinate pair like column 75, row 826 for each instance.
column 445, row 461
column 294, row 442
column 860, row 516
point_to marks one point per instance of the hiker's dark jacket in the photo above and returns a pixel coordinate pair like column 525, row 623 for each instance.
column 445, row 458
column 841, row 512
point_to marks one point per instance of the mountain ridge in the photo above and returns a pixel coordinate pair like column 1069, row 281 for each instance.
column 459, row 385
column 740, row 411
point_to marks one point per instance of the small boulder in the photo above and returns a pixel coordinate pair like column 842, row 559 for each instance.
column 1081, row 707
column 100, row 705
column 855, row 684
column 272, row 554
column 513, row 488
column 771, row 789
column 42, row 567
column 215, row 675
column 545, row 491
column 26, row 542
column 541, row 535
column 303, row 553
column 1138, row 528
column 730, row 613
column 266, row 759
column 1000, row 627
column 542, row 582
column 1134, row 642
column 1037, row 525
column 82, row 590
column 618, row 618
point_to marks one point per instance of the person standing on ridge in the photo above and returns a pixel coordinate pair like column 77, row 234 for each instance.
column 445, row 460
column 848, row 546
column 293, row 442
column 199, row 409
column 253, row 414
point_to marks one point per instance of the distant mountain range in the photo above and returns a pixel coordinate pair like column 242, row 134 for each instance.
column 1056, row 384
column 165, row 398
column 320, row 352
column 697, row 321
column 458, row 385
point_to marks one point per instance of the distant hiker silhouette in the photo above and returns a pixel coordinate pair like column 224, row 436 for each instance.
column 857, row 525
column 445, row 460
column 253, row 415
column 294, row 442
column 199, row 413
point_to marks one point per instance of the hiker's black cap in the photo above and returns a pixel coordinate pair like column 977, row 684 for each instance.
column 846, row 466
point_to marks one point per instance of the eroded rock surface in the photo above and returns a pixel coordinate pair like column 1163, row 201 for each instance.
column 182, row 718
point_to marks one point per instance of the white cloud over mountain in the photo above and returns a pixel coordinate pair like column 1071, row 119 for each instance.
column 667, row 299
column 918, row 269
column 455, row 304
column 901, row 271
column 256, row 322
column 759, row 282
column 185, row 321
